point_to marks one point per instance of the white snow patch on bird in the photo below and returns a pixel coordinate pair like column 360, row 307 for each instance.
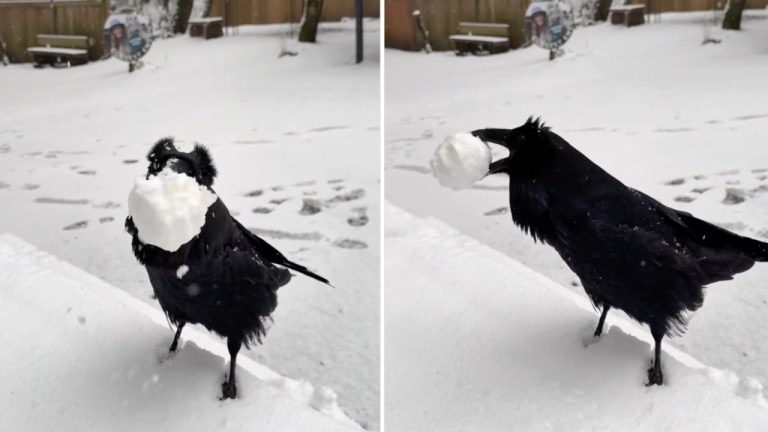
column 181, row 271
column 169, row 208
column 460, row 161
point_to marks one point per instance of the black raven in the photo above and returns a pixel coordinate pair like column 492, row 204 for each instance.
column 630, row 251
column 229, row 276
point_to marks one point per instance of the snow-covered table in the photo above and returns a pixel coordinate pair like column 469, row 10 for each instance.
column 477, row 37
column 629, row 15
column 60, row 48
column 207, row 28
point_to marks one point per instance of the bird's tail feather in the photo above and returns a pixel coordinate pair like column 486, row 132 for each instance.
column 714, row 236
column 305, row 271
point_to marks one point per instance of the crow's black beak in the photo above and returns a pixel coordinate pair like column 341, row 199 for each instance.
column 496, row 136
column 500, row 137
column 500, row 165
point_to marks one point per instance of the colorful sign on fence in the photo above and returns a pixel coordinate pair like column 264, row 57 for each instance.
column 127, row 35
column 549, row 24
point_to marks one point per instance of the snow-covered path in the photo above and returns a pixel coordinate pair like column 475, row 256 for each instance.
column 82, row 355
column 684, row 122
column 284, row 133
column 476, row 341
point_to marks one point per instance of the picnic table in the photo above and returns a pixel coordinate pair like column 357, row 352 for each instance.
column 60, row 49
column 481, row 38
column 207, row 28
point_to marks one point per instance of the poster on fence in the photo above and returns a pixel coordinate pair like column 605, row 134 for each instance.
column 548, row 24
column 127, row 35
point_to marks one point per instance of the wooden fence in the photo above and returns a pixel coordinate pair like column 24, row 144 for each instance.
column 441, row 18
column 282, row 11
column 20, row 23
column 699, row 5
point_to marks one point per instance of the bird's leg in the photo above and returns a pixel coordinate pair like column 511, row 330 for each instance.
column 228, row 387
column 599, row 329
column 655, row 376
column 175, row 342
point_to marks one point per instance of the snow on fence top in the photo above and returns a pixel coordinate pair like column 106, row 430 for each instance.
column 79, row 354
column 477, row 341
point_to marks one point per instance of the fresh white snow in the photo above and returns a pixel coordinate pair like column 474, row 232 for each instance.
column 83, row 355
column 282, row 132
column 168, row 208
column 684, row 122
column 182, row 271
column 476, row 341
column 460, row 161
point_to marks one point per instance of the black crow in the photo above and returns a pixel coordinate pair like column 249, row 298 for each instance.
column 630, row 251
column 225, row 278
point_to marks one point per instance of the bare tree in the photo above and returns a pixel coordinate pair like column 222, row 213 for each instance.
column 602, row 10
column 310, row 19
column 732, row 19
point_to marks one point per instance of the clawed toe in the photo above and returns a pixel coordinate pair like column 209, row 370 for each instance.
column 228, row 390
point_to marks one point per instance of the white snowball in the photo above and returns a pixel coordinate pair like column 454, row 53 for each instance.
column 169, row 209
column 460, row 161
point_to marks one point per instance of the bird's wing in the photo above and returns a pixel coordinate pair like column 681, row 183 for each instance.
column 638, row 267
column 268, row 252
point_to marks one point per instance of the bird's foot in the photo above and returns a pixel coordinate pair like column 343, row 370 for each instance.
column 165, row 354
column 228, row 390
column 590, row 339
column 173, row 347
column 655, row 377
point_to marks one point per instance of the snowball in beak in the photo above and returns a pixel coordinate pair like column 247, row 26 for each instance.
column 500, row 137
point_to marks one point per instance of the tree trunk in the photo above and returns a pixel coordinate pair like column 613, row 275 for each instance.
column 602, row 10
column 181, row 19
column 732, row 20
column 310, row 19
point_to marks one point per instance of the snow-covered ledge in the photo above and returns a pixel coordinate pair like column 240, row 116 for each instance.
column 477, row 341
column 79, row 354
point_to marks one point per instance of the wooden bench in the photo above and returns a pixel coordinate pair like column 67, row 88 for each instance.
column 481, row 38
column 630, row 15
column 60, row 49
column 206, row 27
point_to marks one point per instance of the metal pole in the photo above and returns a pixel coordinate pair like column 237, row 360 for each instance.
column 359, row 29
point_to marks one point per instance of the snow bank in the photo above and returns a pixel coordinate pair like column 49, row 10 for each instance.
column 477, row 341
column 79, row 354
column 460, row 161
column 169, row 208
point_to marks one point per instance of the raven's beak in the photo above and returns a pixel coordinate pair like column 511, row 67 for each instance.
column 496, row 136
column 500, row 165
column 500, row 137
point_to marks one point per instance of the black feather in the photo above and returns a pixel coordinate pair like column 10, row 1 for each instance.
column 205, row 168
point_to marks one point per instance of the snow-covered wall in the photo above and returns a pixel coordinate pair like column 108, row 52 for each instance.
column 476, row 341
column 79, row 354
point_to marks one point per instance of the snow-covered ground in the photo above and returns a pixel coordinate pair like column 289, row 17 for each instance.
column 476, row 341
column 83, row 355
column 296, row 142
column 681, row 121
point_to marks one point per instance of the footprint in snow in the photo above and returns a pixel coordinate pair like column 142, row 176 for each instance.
column 76, row 226
column 497, row 211
column 675, row 182
column 359, row 218
column 48, row 200
column 684, row 199
column 413, row 168
column 350, row 244
column 107, row 205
